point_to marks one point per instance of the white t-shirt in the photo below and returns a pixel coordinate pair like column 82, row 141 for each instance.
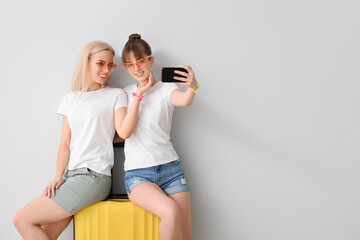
column 150, row 144
column 91, row 119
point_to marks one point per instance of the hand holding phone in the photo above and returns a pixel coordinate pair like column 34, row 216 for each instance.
column 168, row 74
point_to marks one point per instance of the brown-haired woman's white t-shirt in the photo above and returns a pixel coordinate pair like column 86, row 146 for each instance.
column 150, row 144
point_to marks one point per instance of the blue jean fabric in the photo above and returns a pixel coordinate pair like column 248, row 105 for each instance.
column 169, row 177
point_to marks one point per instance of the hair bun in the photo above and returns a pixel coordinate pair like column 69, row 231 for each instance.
column 134, row 36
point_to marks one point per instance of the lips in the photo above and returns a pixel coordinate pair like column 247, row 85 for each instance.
column 103, row 76
column 139, row 74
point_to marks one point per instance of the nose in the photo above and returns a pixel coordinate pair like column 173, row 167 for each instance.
column 136, row 67
column 106, row 69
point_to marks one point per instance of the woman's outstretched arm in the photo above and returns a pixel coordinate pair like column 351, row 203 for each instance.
column 179, row 98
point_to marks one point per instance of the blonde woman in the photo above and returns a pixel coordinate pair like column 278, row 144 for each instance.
column 92, row 113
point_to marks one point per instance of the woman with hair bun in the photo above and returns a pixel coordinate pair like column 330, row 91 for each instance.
column 91, row 114
column 154, row 178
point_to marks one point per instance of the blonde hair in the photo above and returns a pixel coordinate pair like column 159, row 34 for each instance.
column 80, row 82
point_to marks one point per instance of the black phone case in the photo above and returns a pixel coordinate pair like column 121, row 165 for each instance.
column 167, row 74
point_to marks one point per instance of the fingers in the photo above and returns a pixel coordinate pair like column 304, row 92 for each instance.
column 188, row 68
column 53, row 190
column 182, row 83
column 185, row 78
column 45, row 192
column 58, row 184
column 190, row 72
column 146, row 85
column 188, row 78
column 185, row 74
column 181, row 79
column 151, row 78
column 50, row 190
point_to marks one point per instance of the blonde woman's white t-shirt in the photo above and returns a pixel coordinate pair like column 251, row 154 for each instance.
column 150, row 144
column 91, row 119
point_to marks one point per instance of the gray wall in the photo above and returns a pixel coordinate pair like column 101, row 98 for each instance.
column 270, row 146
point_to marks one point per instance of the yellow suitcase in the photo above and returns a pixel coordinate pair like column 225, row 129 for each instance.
column 117, row 219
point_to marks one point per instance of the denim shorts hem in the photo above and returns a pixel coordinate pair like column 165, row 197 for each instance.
column 177, row 189
column 129, row 189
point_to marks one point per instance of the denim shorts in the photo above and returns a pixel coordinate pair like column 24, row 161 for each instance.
column 169, row 177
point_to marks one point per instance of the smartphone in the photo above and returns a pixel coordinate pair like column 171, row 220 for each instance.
column 168, row 74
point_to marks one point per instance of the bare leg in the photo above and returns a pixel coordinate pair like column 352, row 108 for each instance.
column 151, row 198
column 53, row 230
column 41, row 211
column 183, row 202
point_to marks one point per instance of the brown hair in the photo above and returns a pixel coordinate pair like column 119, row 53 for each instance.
column 139, row 47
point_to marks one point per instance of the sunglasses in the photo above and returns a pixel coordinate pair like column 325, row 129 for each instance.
column 142, row 62
column 110, row 67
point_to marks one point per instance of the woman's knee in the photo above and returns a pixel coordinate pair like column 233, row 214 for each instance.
column 171, row 212
column 18, row 220
column 22, row 219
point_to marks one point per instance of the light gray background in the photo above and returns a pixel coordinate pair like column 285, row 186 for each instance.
column 270, row 146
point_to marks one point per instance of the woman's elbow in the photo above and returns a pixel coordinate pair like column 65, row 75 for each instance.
column 187, row 103
column 64, row 146
column 124, row 135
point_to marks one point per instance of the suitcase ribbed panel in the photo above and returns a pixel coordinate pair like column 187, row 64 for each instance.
column 116, row 220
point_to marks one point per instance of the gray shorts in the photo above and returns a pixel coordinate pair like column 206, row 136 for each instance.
column 81, row 188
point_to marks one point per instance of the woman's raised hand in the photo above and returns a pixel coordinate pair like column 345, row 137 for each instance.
column 188, row 78
column 50, row 189
column 141, row 89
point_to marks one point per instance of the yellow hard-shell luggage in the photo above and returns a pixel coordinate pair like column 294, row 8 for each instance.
column 117, row 219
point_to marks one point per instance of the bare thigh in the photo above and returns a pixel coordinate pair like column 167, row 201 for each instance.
column 41, row 211
column 150, row 197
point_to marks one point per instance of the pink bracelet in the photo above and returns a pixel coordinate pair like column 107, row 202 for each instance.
column 137, row 95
